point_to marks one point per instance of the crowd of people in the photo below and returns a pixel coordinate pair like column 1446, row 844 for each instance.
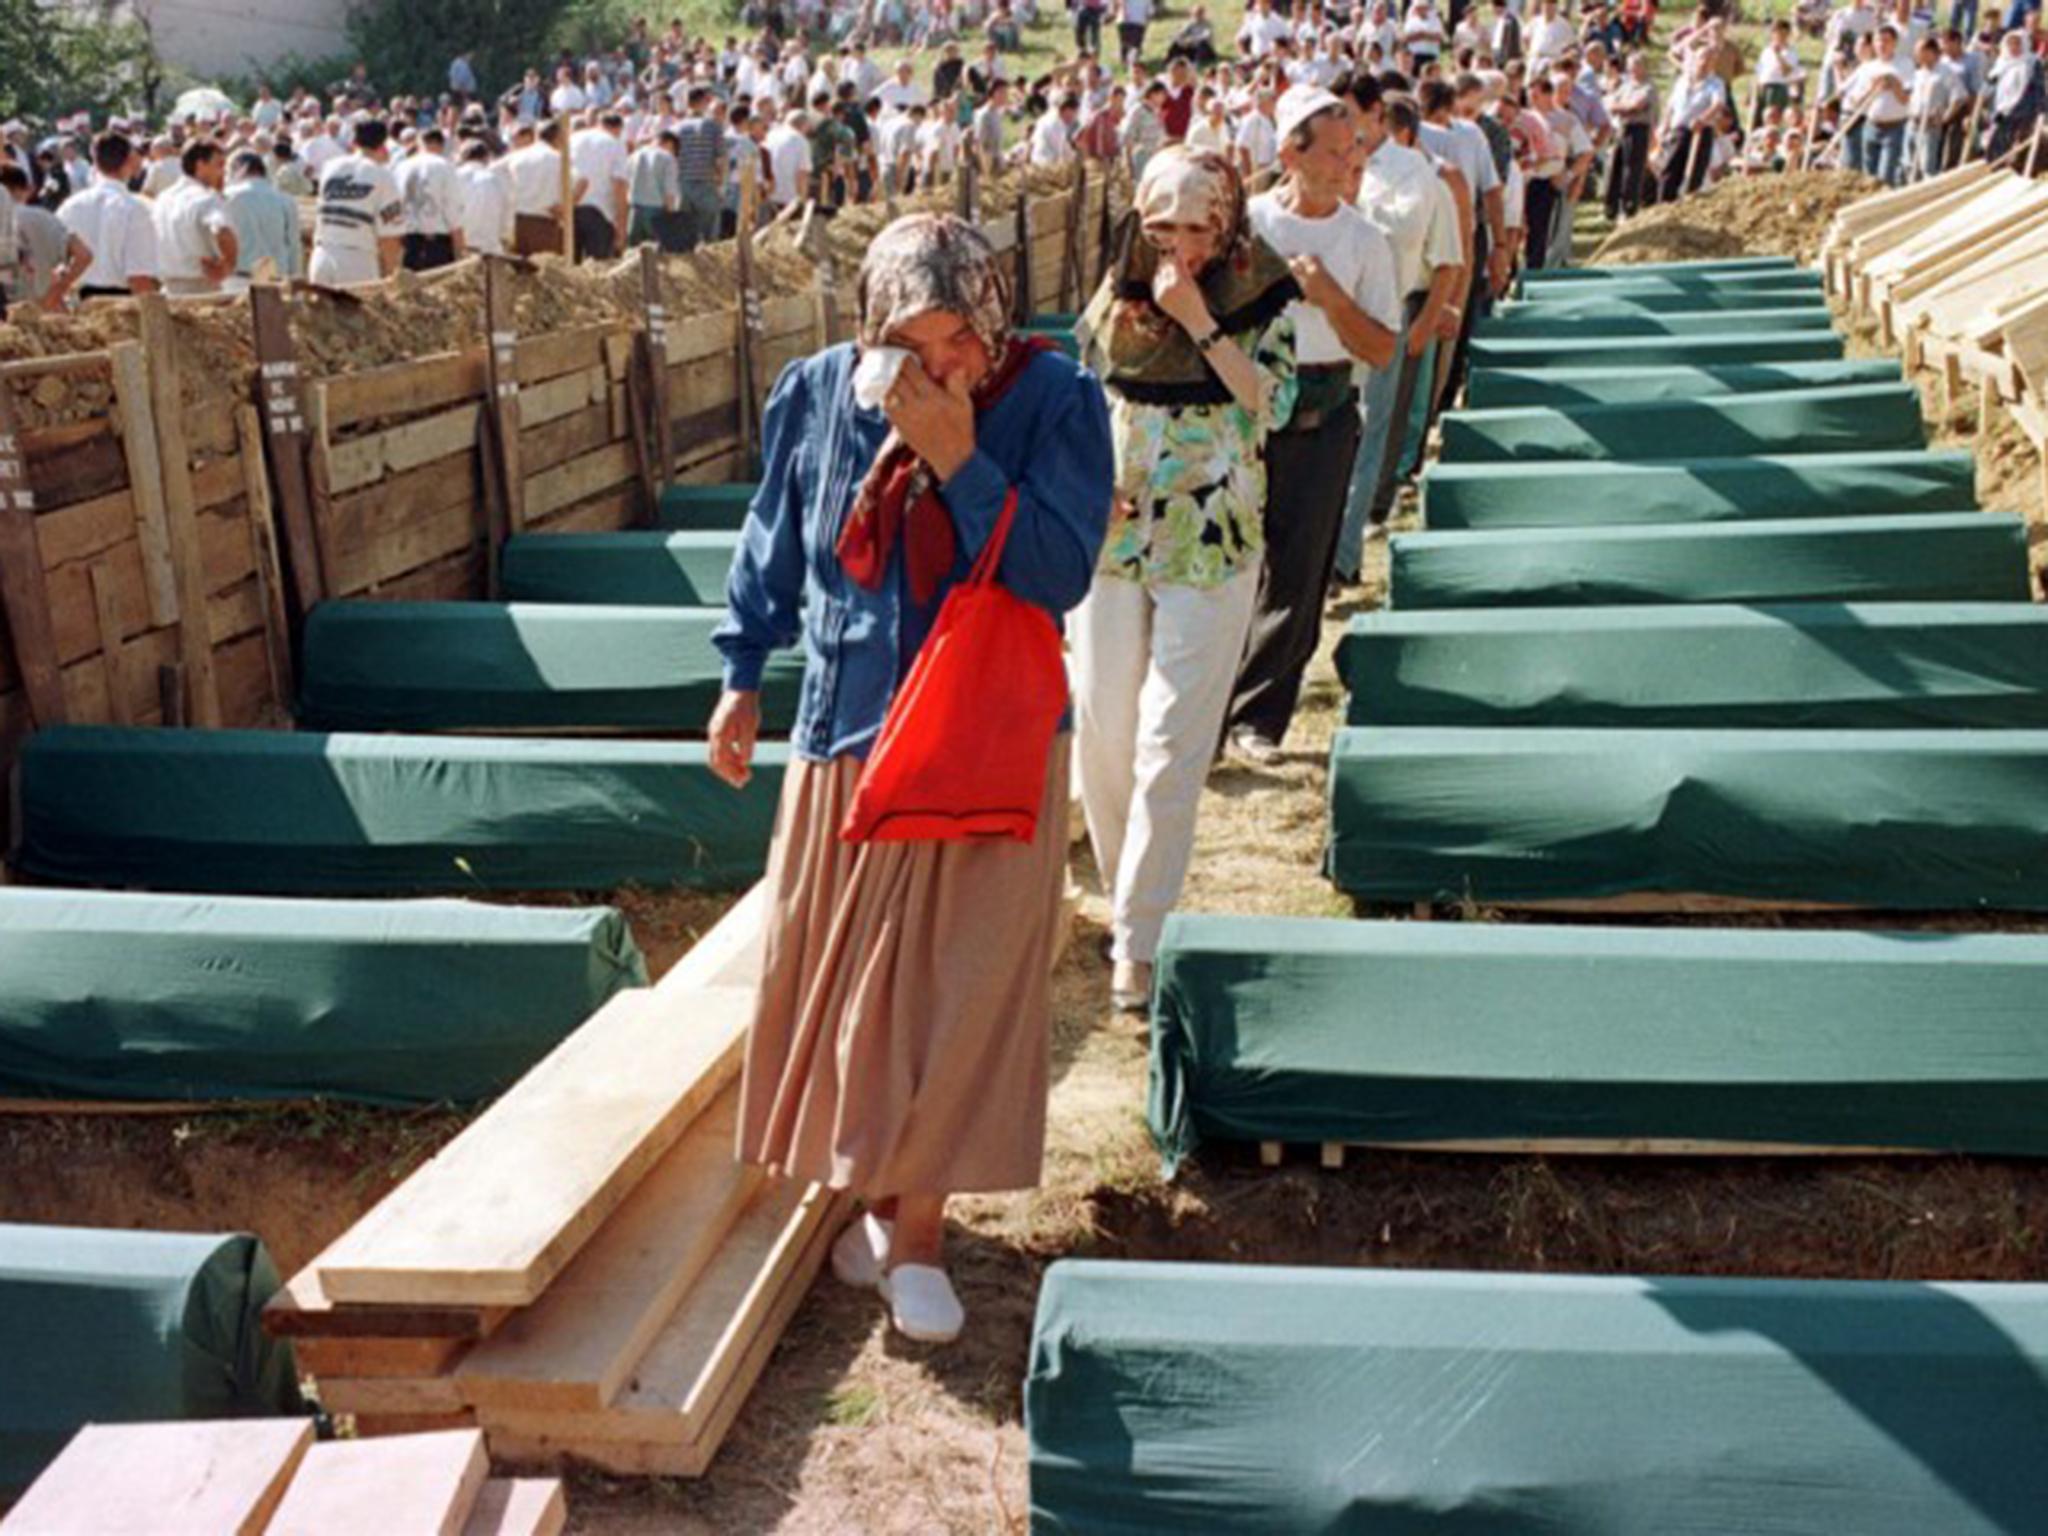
column 346, row 185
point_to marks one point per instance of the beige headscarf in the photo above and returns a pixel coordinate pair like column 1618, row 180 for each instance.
column 928, row 261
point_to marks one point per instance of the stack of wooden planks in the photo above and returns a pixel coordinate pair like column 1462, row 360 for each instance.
column 266, row 1477
column 587, row 1271
column 1955, row 270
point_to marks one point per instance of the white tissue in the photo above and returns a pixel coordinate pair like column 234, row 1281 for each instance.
column 875, row 372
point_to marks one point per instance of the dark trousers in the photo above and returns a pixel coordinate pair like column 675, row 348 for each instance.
column 1130, row 41
column 1631, row 167
column 1478, row 298
column 1539, row 216
column 1307, row 477
column 423, row 253
column 1088, row 30
column 595, row 238
column 1686, row 166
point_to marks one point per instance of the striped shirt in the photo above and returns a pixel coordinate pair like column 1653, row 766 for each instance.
column 701, row 142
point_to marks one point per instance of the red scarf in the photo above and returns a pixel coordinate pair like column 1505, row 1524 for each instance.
column 899, row 499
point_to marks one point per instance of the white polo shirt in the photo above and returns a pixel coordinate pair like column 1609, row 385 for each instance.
column 1407, row 201
column 117, row 225
column 1357, row 256
column 430, row 194
column 789, row 160
column 601, row 160
column 536, row 179
column 486, row 206
column 189, row 218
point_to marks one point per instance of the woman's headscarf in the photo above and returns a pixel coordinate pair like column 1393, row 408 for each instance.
column 2013, row 71
column 1141, row 352
column 921, row 263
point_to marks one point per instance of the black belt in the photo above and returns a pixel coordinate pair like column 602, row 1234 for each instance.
column 1313, row 418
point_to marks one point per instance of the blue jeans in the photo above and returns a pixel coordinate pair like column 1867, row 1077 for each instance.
column 1878, row 151
column 1379, row 438
column 1963, row 17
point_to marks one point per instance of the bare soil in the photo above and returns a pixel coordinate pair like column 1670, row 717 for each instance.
column 1785, row 215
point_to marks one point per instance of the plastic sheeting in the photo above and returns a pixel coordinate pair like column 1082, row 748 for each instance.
column 658, row 569
column 1902, row 819
column 1270, row 1401
column 1955, row 557
column 300, row 813
column 1300, row 1030
column 1837, row 665
column 1497, row 388
column 106, row 995
column 1853, row 419
column 1608, row 492
column 103, row 1327
column 524, row 666
column 1761, row 345
column 1623, row 317
column 705, row 508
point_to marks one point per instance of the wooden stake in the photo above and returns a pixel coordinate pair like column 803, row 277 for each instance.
column 170, row 695
column 195, row 645
column 568, row 193
column 106, row 614
column 1024, row 304
column 282, row 404
column 145, row 479
column 750, row 310
column 505, row 495
column 23, row 590
column 1270, row 1154
column 653, row 352
column 1070, row 245
column 277, row 629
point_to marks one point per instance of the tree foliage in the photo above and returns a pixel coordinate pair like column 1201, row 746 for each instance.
column 58, row 58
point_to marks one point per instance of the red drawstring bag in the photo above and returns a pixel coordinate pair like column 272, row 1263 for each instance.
column 962, row 754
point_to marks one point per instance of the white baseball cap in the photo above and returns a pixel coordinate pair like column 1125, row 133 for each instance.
column 1300, row 103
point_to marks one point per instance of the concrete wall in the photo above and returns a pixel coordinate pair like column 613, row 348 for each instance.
column 212, row 38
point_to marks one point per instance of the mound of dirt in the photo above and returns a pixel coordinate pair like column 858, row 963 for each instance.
column 1744, row 216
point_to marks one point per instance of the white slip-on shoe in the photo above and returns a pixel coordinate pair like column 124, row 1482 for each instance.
column 1130, row 986
column 862, row 1251
column 922, row 1304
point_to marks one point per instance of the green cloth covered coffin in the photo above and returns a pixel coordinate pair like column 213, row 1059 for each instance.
column 106, row 995
column 705, row 508
column 1259, row 1400
column 1874, row 666
column 1606, row 492
column 1306, row 1030
column 1923, row 557
column 1539, row 290
column 1904, row 819
column 676, row 570
column 1494, row 388
column 1591, row 298
column 298, row 813
column 1762, row 345
column 104, row 1327
column 523, row 666
column 1621, row 317
column 1855, row 418
column 1717, row 270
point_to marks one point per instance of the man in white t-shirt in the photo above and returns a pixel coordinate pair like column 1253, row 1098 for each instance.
column 357, row 225
column 487, row 221
column 1880, row 92
column 1408, row 201
column 322, row 145
column 195, row 234
column 114, row 223
column 1939, row 99
column 789, row 162
column 535, row 167
column 1550, row 37
column 1258, row 141
column 1052, row 137
column 903, row 92
column 432, row 197
column 1346, row 319
column 599, row 160
column 1261, row 29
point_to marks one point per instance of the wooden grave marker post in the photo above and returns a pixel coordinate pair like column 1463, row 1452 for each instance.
column 653, row 353
column 23, row 591
column 1070, row 255
column 1023, row 251
column 195, row 644
column 750, row 312
column 282, row 410
column 498, row 423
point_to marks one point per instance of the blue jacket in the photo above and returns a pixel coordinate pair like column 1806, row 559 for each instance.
column 1048, row 436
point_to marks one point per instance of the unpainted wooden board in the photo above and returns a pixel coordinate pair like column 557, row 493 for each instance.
column 560, row 396
column 519, row 1506
column 604, row 513
column 302, row 1309
column 203, row 1478
column 559, row 352
column 1961, row 230
column 403, row 389
column 390, row 1394
column 575, row 1347
column 578, row 478
column 85, row 528
column 378, row 1357
column 692, row 1458
column 182, row 509
column 564, row 438
column 370, row 1424
column 403, row 1485
column 1909, row 291
column 712, row 335
column 360, row 461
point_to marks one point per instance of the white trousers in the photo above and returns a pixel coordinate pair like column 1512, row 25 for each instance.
column 1153, row 667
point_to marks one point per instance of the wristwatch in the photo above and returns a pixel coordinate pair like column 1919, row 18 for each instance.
column 1207, row 343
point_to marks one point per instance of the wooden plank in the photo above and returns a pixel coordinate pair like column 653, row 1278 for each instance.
column 562, row 439
column 287, row 424
column 270, row 592
column 696, row 338
column 396, row 525
column 378, row 1357
column 575, row 1347
column 370, row 1424
column 504, row 481
column 75, row 469
column 405, row 389
column 519, row 1506
column 195, row 648
column 543, row 357
column 749, row 312
column 561, row 396
column 112, row 651
column 501, row 1210
column 302, row 1309
column 408, row 1485
column 23, row 592
column 88, row 528
column 579, row 478
column 390, row 1394
column 360, row 461
column 222, row 1477
column 674, row 1450
column 650, row 358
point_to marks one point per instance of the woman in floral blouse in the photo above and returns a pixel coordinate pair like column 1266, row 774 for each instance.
column 1190, row 336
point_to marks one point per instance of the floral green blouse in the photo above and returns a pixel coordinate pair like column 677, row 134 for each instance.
column 1196, row 475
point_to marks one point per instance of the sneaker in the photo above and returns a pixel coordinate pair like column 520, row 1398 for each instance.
column 922, row 1305
column 1130, row 986
column 1260, row 751
column 861, row 1255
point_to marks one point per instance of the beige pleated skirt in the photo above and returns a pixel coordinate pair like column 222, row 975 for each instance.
column 902, row 1041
